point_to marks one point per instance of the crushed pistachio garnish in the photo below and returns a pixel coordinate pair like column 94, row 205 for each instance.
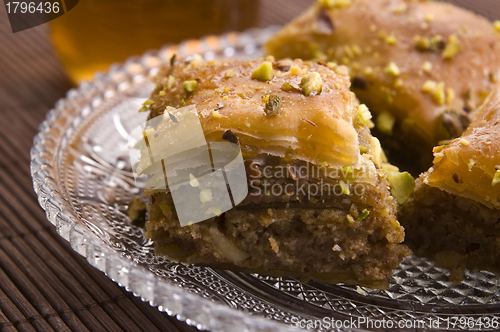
column 363, row 215
column 143, row 109
column 241, row 95
column 329, row 4
column 216, row 114
column 398, row 83
column 170, row 82
column 363, row 149
column 496, row 178
column 190, row 86
column 385, row 122
column 344, row 187
column 402, row 185
column 429, row 86
column 400, row 9
column 264, row 72
column 350, row 219
column 391, row 40
column 270, row 58
column 407, row 124
column 162, row 93
column 363, row 116
column 438, row 95
column 493, row 77
column 392, row 69
column 437, row 43
column 387, row 94
column 421, row 43
column 368, row 71
column 464, row 142
column 148, row 102
column 427, row 67
column 331, row 65
column 496, row 24
column 172, row 60
column 450, row 95
column 294, row 70
column 286, row 87
column 453, row 46
column 273, row 105
column 348, row 51
column 311, row 83
column 229, row 73
column 471, row 164
column 357, row 50
column 429, row 17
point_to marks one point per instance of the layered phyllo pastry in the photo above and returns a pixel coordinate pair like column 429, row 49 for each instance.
column 454, row 213
column 321, row 200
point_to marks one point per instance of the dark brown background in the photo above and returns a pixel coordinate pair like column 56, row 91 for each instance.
column 44, row 285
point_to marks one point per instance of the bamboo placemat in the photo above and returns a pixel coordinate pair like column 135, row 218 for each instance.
column 44, row 284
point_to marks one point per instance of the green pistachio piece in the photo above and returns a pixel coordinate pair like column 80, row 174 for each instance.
column 264, row 72
column 363, row 215
column 452, row 48
column 402, row 185
column 496, row 178
column 385, row 123
column 392, row 69
column 190, row 86
column 311, row 82
column 273, row 105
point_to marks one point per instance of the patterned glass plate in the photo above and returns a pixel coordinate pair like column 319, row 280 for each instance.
column 80, row 168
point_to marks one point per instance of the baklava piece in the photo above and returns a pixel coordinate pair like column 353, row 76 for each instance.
column 422, row 67
column 454, row 213
column 319, row 204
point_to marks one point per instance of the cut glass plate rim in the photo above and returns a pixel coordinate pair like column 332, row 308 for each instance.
column 46, row 172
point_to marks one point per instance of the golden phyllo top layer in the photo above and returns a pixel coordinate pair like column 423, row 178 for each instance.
column 292, row 109
column 470, row 165
column 424, row 62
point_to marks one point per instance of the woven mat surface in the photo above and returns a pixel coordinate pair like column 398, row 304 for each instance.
column 44, row 284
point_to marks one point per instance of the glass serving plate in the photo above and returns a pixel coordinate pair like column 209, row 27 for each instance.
column 80, row 169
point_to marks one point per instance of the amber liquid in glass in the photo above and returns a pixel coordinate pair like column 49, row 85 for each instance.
column 97, row 33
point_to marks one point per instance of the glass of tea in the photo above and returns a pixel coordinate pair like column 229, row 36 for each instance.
column 95, row 33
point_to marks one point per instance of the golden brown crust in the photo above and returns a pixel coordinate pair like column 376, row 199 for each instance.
column 317, row 128
column 468, row 165
column 390, row 32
